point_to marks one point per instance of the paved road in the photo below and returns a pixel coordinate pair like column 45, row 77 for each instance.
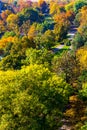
column 57, row 48
column 72, row 32
column 66, row 124
column 70, row 35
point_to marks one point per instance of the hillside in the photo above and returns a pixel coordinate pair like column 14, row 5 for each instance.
column 43, row 65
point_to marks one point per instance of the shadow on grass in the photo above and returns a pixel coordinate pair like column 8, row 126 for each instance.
column 60, row 51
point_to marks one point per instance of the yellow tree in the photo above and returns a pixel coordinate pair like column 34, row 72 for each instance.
column 5, row 41
column 83, row 19
column 32, row 31
column 82, row 57
column 12, row 22
column 54, row 9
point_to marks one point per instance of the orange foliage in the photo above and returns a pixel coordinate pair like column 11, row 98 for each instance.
column 70, row 15
column 5, row 14
column 5, row 41
column 61, row 18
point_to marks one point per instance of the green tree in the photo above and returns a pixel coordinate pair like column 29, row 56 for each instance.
column 84, row 127
column 78, row 41
column 29, row 14
column 48, row 39
column 43, row 6
column 79, row 4
column 42, row 56
column 12, row 22
column 14, row 53
column 32, row 99
column 9, row 34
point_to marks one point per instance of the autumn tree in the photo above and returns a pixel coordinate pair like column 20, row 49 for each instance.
column 70, row 16
column 31, row 98
column 47, row 40
column 14, row 52
column 35, row 56
column 79, row 4
column 69, row 66
column 24, row 28
column 30, row 14
column 78, row 41
column 69, row 6
column 61, row 27
column 24, row 4
column 81, row 36
column 3, row 27
column 82, row 57
column 55, row 8
column 12, row 22
column 35, row 30
column 43, row 6
column 5, row 14
column 32, row 31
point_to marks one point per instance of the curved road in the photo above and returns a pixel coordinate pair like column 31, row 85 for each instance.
column 70, row 35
